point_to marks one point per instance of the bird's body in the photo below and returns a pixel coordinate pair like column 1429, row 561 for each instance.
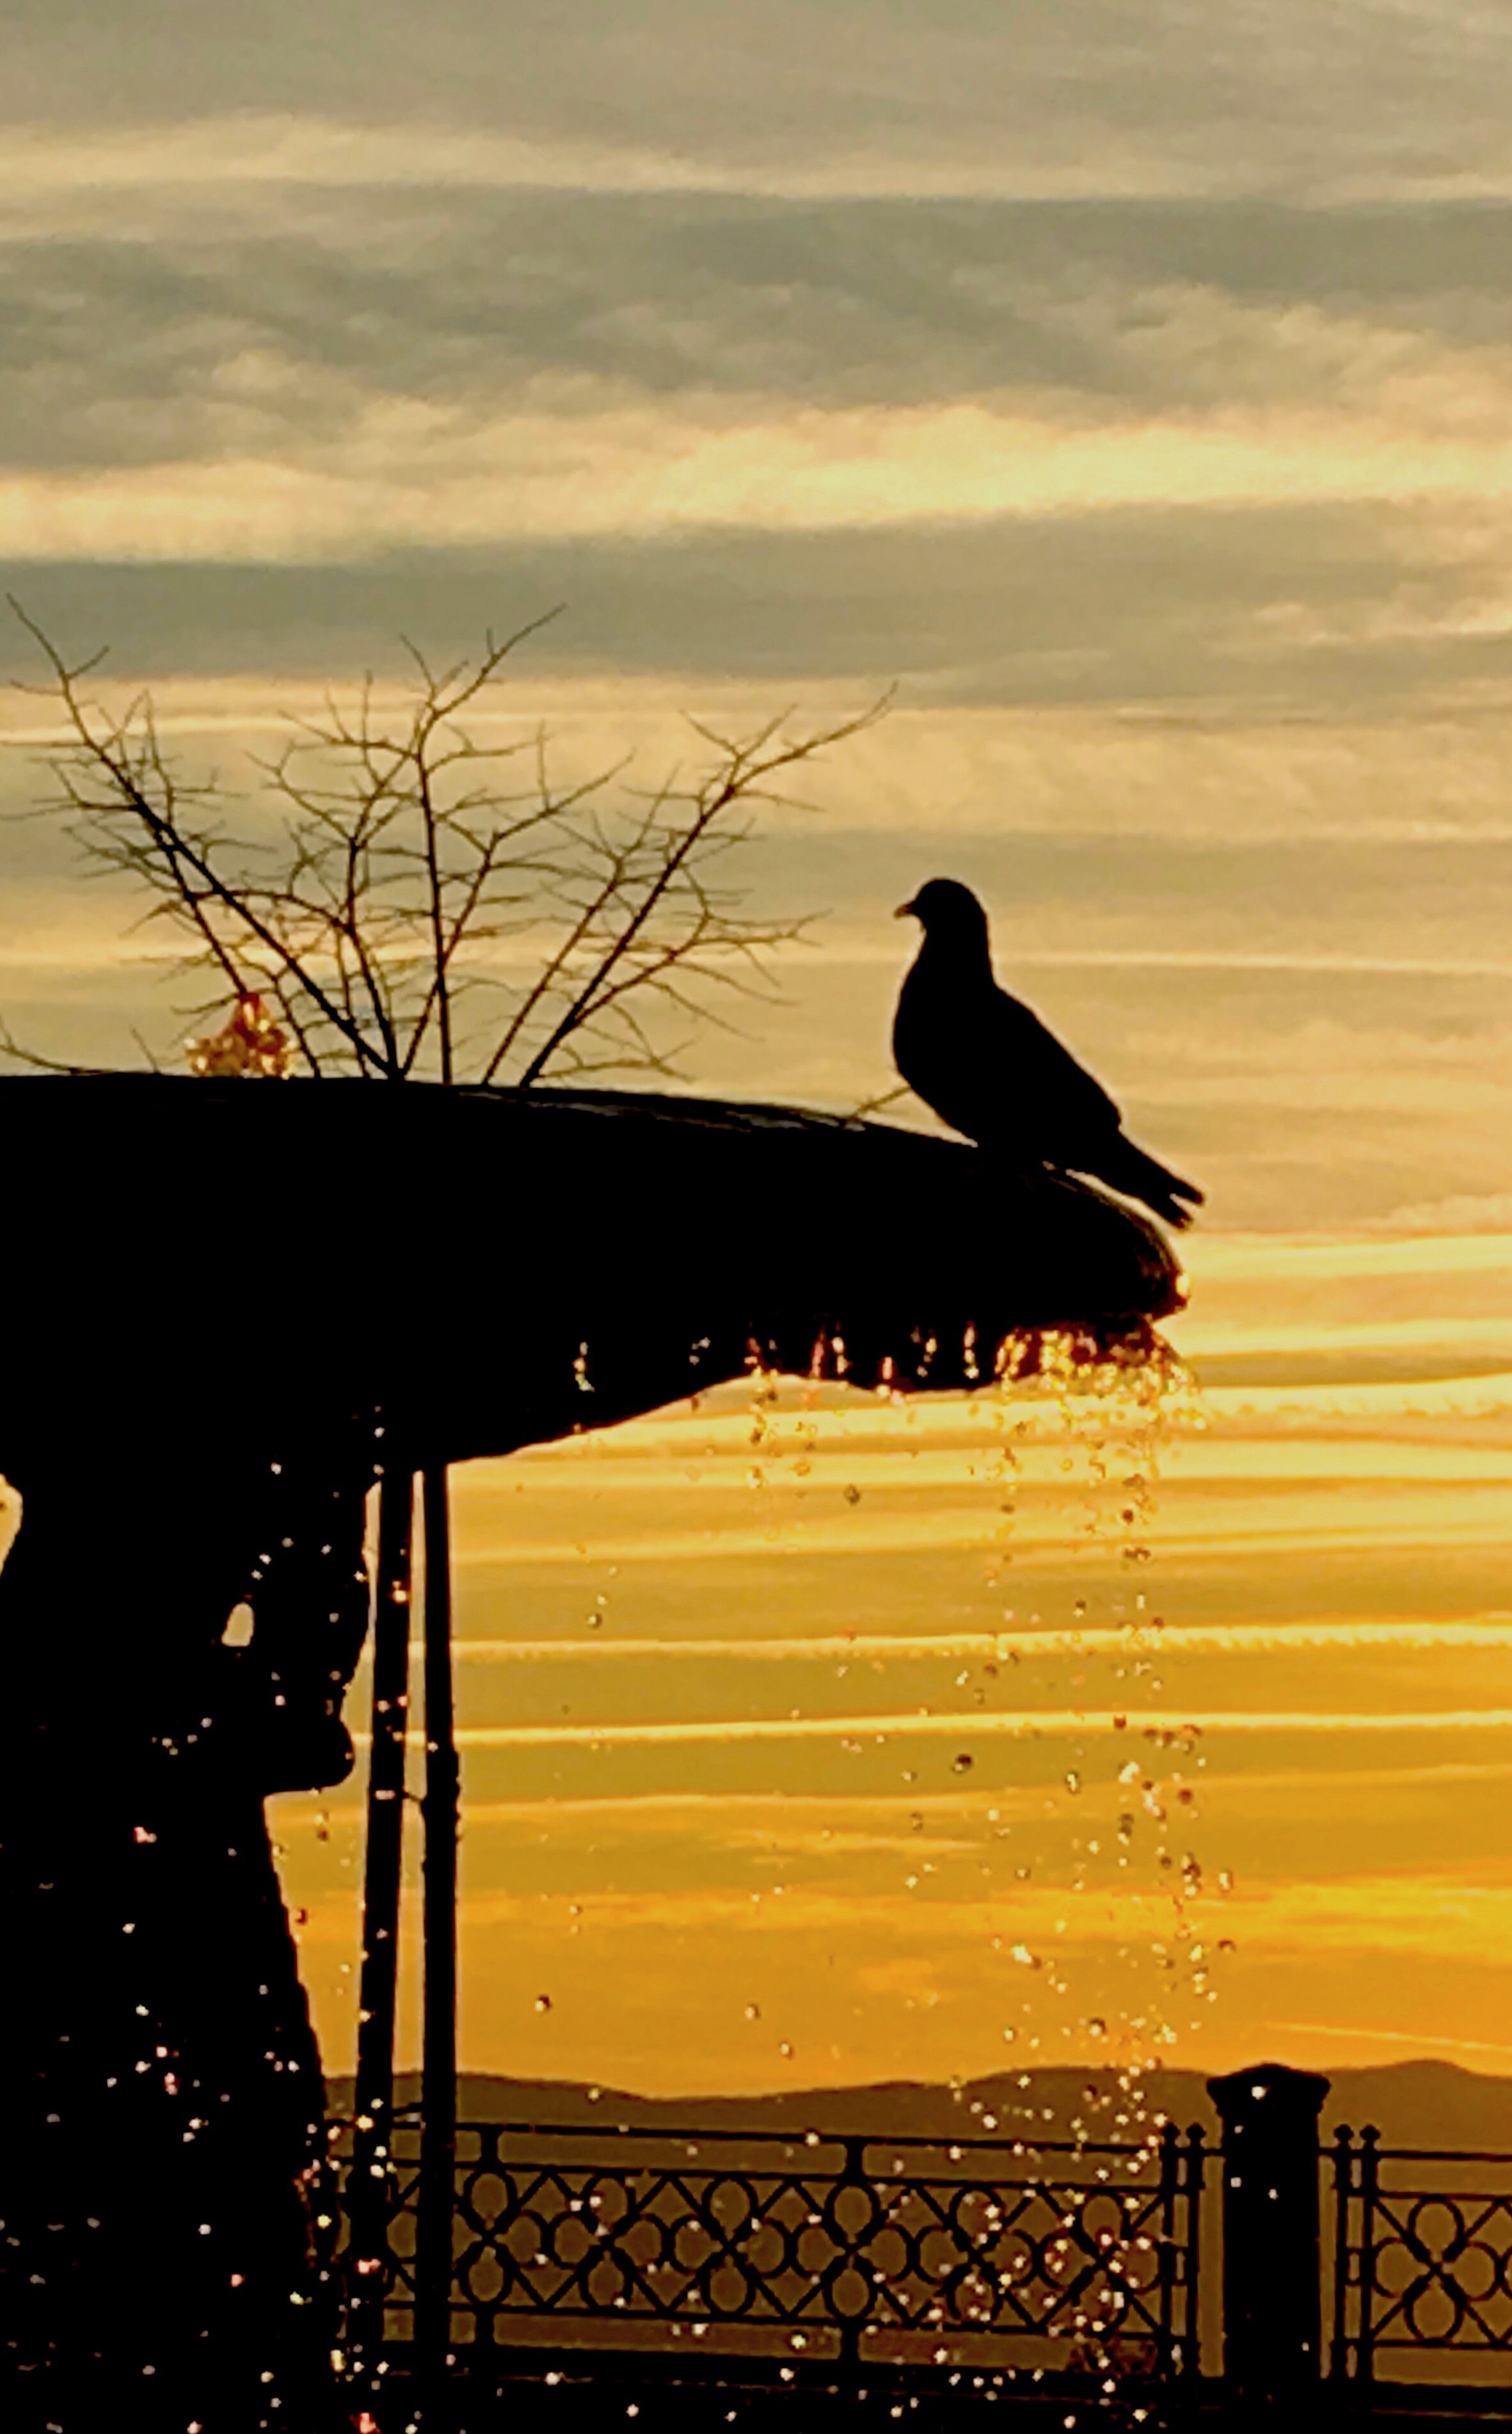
column 988, row 1066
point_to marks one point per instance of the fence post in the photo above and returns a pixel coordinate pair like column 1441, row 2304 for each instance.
column 1272, row 2300
column 1188, row 2355
column 1369, row 2191
column 1344, row 2176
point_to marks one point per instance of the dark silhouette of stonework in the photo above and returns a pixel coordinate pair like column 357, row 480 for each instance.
column 225, row 1304
column 165, row 2089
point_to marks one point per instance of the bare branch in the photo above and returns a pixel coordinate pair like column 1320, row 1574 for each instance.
column 872, row 1107
column 402, row 866
column 9, row 1047
column 176, row 865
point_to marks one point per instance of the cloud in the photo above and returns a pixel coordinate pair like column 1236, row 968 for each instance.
column 1048, row 454
column 1375, row 95
column 1437, row 1914
column 1260, row 1259
column 600, row 1819
column 402, row 472
column 1486, row 1336
column 1487, row 1213
column 1168, row 609
column 1422, row 1635
column 274, row 310
column 1415, row 2040
column 1037, row 1724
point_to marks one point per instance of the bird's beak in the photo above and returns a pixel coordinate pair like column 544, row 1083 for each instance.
column 899, row 910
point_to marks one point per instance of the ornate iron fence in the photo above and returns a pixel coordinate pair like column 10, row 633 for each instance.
column 1421, row 2263
column 1053, row 2258
column 1065, row 2261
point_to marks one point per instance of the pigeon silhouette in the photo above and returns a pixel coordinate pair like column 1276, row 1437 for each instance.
column 991, row 1069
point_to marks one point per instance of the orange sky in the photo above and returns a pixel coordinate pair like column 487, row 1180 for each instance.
column 718, row 1672
column 1139, row 411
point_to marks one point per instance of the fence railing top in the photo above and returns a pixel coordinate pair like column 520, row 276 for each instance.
column 951, row 2144
column 1368, row 2139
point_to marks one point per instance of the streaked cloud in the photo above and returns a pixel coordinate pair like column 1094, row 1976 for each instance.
column 894, row 1647
column 1341, row 2038
column 403, row 475
column 982, row 1723
column 1380, row 94
column 1265, row 1260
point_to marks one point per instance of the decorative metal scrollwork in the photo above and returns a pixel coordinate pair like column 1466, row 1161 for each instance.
column 795, row 2241
column 1422, row 2252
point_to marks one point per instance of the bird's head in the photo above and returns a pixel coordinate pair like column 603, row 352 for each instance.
column 948, row 911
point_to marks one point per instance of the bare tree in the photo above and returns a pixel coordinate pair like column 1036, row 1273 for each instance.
column 429, row 905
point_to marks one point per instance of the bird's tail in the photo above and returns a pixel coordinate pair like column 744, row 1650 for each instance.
column 1131, row 1170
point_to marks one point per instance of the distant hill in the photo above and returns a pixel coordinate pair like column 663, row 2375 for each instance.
column 1431, row 2104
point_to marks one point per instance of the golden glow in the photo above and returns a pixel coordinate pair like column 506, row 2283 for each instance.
column 1184, row 532
column 834, row 1769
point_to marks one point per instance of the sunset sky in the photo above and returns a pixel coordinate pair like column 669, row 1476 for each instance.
column 1129, row 387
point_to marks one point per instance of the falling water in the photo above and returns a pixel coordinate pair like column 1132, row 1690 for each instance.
column 1064, row 1453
